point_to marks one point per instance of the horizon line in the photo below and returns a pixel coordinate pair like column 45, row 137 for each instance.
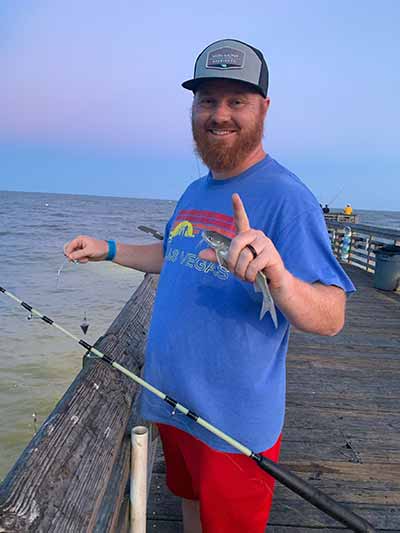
column 99, row 195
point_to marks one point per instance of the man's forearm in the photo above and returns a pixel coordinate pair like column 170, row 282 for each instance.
column 314, row 308
column 146, row 258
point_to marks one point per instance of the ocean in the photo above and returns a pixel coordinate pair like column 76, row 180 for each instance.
column 37, row 363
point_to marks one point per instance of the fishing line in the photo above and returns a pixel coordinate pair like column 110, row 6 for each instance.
column 292, row 481
column 63, row 265
column 84, row 325
column 337, row 195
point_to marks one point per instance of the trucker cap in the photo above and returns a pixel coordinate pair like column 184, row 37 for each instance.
column 230, row 59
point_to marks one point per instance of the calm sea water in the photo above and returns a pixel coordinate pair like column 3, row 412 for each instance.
column 37, row 363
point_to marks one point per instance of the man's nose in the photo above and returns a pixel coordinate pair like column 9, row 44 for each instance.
column 221, row 112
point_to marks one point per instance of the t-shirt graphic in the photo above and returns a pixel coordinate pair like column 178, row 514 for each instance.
column 184, row 240
column 190, row 222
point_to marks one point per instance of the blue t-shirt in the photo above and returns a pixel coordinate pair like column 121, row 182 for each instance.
column 207, row 348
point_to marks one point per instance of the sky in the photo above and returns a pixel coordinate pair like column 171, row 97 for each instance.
column 91, row 99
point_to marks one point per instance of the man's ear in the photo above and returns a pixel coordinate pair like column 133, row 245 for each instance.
column 266, row 104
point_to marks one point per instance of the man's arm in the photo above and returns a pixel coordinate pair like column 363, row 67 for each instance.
column 146, row 258
column 314, row 308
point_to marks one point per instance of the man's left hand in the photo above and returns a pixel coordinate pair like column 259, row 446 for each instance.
column 241, row 261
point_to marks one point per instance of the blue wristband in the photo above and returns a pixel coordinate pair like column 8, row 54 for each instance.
column 112, row 250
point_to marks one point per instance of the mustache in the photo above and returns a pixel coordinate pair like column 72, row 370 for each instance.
column 212, row 124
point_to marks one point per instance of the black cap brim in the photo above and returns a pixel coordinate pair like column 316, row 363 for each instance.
column 193, row 84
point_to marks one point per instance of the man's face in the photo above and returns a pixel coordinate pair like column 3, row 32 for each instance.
column 227, row 123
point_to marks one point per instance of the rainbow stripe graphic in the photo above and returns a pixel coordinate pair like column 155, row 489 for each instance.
column 191, row 222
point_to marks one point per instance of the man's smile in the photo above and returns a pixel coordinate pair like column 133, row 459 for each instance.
column 220, row 132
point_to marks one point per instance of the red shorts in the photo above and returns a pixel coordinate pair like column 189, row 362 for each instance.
column 235, row 494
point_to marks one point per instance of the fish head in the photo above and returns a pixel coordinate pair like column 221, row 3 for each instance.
column 216, row 240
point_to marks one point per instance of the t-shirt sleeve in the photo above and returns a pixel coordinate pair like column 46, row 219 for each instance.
column 305, row 248
column 166, row 234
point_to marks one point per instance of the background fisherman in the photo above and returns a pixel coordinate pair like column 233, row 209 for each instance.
column 207, row 347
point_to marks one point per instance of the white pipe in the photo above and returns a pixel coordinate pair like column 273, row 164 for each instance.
column 138, row 492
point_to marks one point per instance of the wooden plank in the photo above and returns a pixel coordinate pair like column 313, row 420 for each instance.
column 288, row 509
column 164, row 526
column 163, row 505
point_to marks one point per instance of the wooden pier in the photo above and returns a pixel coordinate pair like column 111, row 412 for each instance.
column 342, row 430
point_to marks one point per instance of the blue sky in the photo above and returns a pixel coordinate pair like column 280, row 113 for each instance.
column 91, row 102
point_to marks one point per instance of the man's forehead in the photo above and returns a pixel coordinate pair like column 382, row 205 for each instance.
column 225, row 86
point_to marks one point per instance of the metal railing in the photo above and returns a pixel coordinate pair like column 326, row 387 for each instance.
column 356, row 243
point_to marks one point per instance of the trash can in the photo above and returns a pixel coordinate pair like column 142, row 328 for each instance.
column 387, row 268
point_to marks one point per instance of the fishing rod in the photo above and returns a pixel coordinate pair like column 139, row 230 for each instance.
column 295, row 483
column 337, row 195
column 156, row 234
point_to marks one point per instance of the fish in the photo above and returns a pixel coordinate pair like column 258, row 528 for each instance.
column 66, row 261
column 221, row 244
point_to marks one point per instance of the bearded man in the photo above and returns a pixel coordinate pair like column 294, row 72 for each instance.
column 207, row 347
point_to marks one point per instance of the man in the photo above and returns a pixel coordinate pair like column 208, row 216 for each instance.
column 207, row 347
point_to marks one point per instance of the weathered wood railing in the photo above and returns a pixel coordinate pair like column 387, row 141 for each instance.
column 364, row 241
column 72, row 475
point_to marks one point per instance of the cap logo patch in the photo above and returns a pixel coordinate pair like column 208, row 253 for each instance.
column 225, row 58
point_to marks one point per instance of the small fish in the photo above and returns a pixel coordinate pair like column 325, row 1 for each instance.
column 66, row 261
column 221, row 245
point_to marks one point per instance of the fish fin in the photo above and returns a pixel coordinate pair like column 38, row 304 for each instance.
column 264, row 309
column 274, row 315
column 268, row 302
column 219, row 258
column 269, row 306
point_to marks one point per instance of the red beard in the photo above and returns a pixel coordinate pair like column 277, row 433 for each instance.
column 220, row 155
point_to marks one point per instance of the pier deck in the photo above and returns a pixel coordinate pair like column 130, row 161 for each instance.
column 342, row 430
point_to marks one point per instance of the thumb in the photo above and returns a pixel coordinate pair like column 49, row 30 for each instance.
column 208, row 255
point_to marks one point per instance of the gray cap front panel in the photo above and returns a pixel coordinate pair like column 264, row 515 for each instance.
column 250, row 71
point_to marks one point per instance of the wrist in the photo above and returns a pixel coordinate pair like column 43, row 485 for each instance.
column 112, row 250
column 284, row 284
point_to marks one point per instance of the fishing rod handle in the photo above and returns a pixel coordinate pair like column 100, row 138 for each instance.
column 314, row 495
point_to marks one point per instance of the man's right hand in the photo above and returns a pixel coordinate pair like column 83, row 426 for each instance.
column 84, row 249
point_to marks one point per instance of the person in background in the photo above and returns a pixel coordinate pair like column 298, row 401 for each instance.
column 348, row 210
column 326, row 209
column 207, row 347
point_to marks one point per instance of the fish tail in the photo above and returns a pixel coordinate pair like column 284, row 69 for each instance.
column 269, row 306
column 267, row 302
column 264, row 309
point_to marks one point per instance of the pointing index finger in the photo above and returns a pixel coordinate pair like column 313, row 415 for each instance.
column 239, row 214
